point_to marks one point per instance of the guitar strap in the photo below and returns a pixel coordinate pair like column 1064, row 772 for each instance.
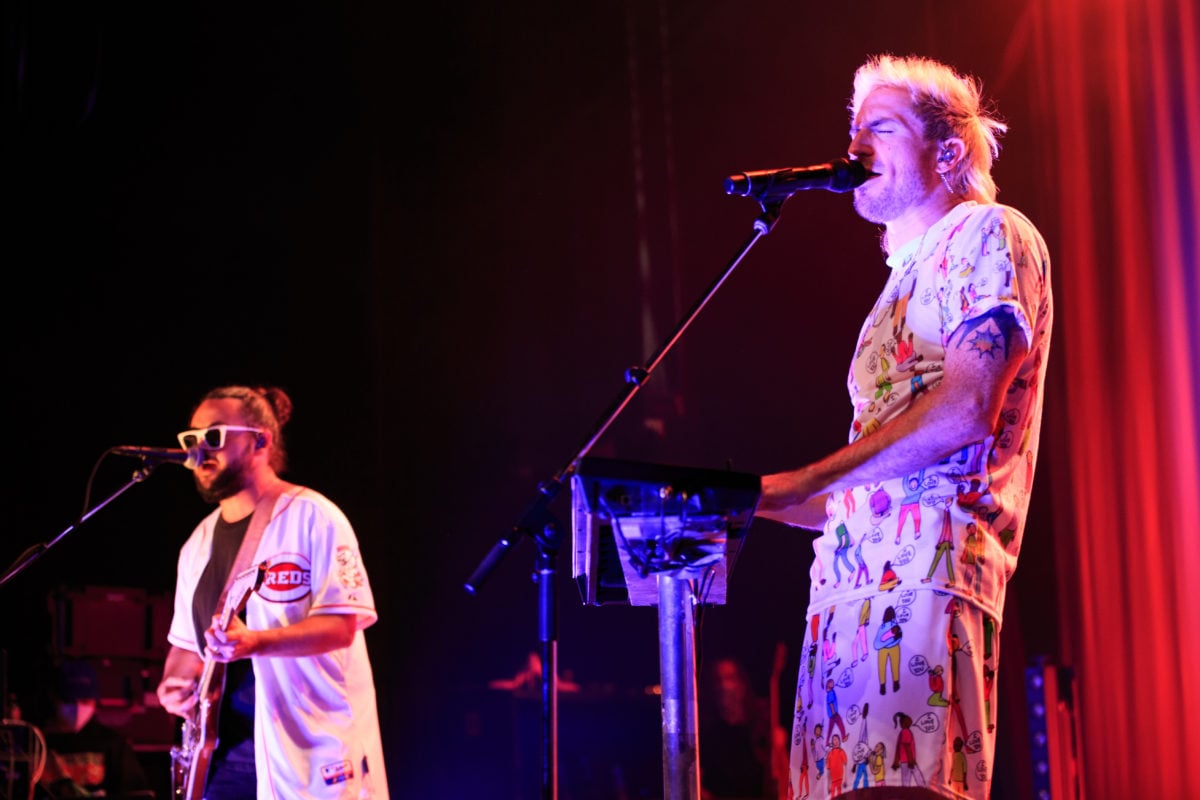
column 263, row 514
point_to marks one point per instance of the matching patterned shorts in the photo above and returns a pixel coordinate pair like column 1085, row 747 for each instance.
column 896, row 688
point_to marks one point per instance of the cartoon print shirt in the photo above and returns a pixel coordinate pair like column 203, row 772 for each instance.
column 953, row 526
column 316, row 721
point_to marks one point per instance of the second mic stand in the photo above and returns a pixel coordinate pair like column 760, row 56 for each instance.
column 541, row 526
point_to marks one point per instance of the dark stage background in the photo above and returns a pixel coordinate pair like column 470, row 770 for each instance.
column 448, row 233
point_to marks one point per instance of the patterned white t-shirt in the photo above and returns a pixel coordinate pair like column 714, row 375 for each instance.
column 954, row 526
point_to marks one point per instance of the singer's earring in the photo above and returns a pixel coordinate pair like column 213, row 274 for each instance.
column 946, row 181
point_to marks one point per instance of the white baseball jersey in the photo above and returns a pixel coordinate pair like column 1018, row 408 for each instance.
column 316, row 726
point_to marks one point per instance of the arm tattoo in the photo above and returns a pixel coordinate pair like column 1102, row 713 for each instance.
column 989, row 334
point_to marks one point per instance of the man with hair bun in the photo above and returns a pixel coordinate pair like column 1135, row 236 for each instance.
column 297, row 717
column 946, row 384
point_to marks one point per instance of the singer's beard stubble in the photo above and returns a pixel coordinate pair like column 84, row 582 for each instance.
column 879, row 203
column 226, row 483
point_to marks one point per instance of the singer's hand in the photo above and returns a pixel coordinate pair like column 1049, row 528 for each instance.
column 787, row 497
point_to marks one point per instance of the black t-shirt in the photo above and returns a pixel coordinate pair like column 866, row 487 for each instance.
column 235, row 720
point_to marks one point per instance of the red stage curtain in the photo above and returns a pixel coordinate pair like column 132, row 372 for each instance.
column 1117, row 88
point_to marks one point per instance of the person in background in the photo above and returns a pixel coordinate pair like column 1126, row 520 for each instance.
column 734, row 732
column 946, row 384
column 84, row 757
column 298, row 716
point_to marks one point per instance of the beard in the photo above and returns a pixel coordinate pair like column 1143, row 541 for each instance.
column 227, row 483
column 890, row 202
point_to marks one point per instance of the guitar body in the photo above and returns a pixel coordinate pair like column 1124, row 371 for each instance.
column 191, row 758
column 200, row 734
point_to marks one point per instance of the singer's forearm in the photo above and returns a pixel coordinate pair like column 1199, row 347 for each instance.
column 314, row 635
column 809, row 514
column 961, row 409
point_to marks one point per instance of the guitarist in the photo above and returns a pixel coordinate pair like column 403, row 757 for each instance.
column 297, row 715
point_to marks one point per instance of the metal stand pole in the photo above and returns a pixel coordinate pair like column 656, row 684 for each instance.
column 677, row 664
column 548, row 634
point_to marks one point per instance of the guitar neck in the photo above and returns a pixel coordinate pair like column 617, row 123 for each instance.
column 190, row 760
column 204, row 684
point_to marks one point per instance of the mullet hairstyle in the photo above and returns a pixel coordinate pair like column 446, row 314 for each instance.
column 950, row 105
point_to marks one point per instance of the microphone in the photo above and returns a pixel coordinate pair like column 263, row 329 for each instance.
column 189, row 458
column 839, row 175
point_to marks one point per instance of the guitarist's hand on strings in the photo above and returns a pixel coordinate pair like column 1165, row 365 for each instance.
column 177, row 690
column 177, row 695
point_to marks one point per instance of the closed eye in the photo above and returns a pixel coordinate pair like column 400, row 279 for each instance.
column 878, row 128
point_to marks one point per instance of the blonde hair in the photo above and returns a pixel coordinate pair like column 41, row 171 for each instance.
column 950, row 105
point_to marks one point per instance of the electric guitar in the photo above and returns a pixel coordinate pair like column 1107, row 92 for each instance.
column 191, row 758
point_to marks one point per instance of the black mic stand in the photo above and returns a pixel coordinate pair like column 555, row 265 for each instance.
column 33, row 553
column 542, row 527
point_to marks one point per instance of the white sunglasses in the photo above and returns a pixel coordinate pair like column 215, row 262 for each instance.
column 211, row 438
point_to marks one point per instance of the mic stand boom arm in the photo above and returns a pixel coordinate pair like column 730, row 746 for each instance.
column 540, row 525
column 36, row 551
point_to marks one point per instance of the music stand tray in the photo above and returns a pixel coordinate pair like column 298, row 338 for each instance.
column 633, row 521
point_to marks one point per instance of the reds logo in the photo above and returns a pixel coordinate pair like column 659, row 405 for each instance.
column 289, row 578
